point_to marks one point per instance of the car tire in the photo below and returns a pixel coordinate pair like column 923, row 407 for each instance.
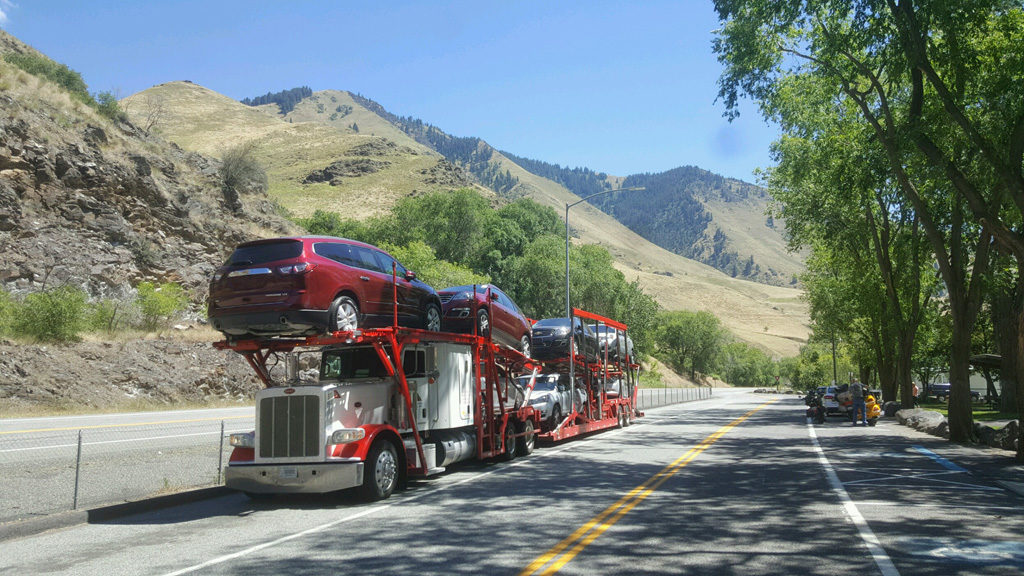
column 343, row 315
column 556, row 416
column 483, row 323
column 380, row 472
column 528, row 440
column 511, row 442
column 432, row 317
column 524, row 345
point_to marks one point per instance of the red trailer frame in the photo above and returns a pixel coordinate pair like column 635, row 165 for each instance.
column 600, row 412
column 494, row 368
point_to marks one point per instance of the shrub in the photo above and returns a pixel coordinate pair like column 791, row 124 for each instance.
column 241, row 171
column 59, row 74
column 55, row 315
column 106, row 104
column 104, row 316
column 7, row 308
column 159, row 303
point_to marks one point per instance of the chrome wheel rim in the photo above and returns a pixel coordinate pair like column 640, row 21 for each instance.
column 483, row 324
column 433, row 319
column 346, row 317
column 524, row 345
column 386, row 471
column 531, row 438
column 510, row 439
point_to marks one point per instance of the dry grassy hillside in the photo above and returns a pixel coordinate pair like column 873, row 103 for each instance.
column 309, row 138
column 743, row 222
column 375, row 166
column 774, row 318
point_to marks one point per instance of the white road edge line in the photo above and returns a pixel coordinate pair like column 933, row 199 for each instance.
column 882, row 560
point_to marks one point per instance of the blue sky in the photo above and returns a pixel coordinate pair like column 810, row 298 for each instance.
column 616, row 87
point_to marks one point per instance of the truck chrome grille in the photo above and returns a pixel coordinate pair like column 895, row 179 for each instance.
column 289, row 426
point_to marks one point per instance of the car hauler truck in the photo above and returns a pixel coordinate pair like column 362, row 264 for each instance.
column 394, row 402
column 388, row 403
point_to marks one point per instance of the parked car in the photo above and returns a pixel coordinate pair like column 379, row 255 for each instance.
column 607, row 337
column 941, row 392
column 552, row 397
column 551, row 339
column 502, row 319
column 299, row 286
column 830, row 400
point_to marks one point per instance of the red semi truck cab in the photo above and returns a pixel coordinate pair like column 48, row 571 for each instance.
column 354, row 427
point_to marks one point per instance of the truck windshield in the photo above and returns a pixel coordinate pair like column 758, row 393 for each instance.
column 347, row 363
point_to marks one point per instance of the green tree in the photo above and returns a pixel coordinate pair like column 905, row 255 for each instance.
column 689, row 340
column 420, row 258
column 939, row 87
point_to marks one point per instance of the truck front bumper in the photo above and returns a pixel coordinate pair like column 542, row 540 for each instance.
column 315, row 478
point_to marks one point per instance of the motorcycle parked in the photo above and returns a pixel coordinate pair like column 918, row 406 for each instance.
column 874, row 408
column 815, row 407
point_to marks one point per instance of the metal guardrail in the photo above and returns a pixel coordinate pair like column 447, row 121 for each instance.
column 655, row 397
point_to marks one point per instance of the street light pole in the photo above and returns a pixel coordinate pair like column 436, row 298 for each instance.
column 568, row 308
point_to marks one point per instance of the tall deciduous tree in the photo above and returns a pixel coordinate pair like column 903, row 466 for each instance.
column 940, row 85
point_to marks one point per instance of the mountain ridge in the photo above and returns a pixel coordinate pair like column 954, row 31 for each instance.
column 674, row 281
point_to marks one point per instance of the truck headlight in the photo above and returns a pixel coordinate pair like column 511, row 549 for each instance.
column 346, row 435
column 243, row 440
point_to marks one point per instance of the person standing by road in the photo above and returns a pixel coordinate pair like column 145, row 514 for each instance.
column 917, row 391
column 857, row 395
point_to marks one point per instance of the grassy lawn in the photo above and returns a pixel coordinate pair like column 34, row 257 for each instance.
column 982, row 412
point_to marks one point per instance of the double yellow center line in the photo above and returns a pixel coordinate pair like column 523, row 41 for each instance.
column 559, row 556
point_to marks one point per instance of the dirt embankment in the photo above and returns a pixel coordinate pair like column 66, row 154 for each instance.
column 112, row 376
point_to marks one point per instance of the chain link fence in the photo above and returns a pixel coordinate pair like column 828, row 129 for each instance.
column 655, row 397
column 44, row 472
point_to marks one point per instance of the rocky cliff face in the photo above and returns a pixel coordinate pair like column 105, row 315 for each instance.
column 101, row 205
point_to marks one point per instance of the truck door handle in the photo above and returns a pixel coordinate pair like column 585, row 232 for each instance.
column 364, row 278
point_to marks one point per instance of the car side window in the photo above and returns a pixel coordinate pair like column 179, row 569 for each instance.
column 505, row 301
column 385, row 262
column 367, row 259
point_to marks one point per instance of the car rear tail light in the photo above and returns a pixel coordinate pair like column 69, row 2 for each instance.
column 300, row 268
column 829, row 397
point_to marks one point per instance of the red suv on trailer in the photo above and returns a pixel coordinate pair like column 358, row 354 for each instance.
column 308, row 285
column 501, row 318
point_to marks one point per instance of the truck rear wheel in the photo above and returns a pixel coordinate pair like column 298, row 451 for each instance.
column 380, row 473
column 510, row 442
column 528, row 440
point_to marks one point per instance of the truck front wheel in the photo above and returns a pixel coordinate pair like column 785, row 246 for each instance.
column 380, row 473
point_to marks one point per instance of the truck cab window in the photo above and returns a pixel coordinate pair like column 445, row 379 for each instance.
column 362, row 362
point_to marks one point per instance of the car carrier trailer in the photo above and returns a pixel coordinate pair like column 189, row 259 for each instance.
column 600, row 410
column 393, row 403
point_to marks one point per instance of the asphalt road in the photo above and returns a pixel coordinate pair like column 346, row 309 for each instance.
column 124, row 456
column 738, row 484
